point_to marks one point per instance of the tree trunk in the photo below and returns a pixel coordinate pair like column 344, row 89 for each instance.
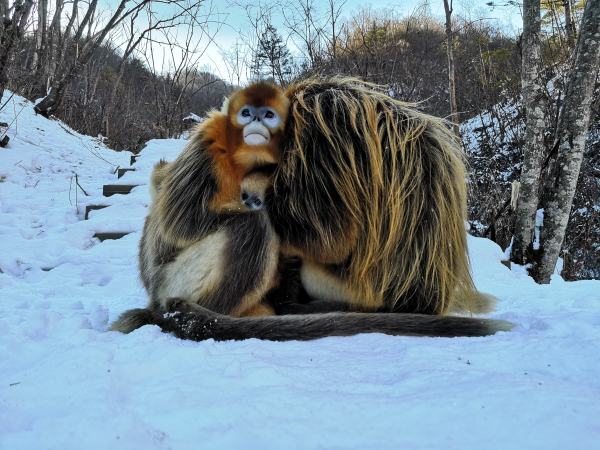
column 40, row 38
column 3, row 78
column 11, row 33
column 451, row 78
column 68, row 71
column 113, row 96
column 3, row 9
column 49, row 51
column 573, row 129
column 568, row 24
column 534, row 102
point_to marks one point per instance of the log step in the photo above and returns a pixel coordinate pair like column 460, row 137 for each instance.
column 121, row 172
column 506, row 262
column 89, row 208
column 105, row 236
column 112, row 189
column 133, row 159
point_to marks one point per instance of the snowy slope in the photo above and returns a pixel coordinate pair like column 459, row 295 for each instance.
column 65, row 383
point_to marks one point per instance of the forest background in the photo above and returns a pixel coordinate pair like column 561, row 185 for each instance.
column 132, row 71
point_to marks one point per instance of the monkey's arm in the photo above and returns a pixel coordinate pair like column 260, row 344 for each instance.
column 189, row 321
column 183, row 205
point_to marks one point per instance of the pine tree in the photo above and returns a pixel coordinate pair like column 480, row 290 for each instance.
column 273, row 58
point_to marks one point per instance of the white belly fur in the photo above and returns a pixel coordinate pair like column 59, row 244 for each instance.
column 196, row 271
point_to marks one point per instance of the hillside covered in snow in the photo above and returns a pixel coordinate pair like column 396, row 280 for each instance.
column 66, row 383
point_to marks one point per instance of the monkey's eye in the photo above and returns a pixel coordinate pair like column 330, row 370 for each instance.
column 245, row 115
column 244, row 196
column 270, row 118
column 257, row 201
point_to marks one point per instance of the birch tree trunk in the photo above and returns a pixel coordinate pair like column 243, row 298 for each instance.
column 451, row 78
column 534, row 102
column 573, row 129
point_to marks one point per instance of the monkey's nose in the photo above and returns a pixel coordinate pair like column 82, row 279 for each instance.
column 252, row 201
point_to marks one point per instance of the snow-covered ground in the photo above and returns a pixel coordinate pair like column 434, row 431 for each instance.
column 65, row 383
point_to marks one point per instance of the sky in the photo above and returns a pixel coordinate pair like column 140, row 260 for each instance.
column 228, row 20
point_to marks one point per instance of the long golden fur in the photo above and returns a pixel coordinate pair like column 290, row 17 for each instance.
column 374, row 192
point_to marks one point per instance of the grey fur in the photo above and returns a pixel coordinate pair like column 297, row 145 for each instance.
column 190, row 321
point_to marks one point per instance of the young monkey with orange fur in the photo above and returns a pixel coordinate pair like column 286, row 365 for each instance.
column 206, row 224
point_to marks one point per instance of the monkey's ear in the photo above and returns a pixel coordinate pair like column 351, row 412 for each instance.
column 225, row 105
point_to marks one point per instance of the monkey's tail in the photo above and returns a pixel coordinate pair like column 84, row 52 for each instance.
column 132, row 320
column 190, row 321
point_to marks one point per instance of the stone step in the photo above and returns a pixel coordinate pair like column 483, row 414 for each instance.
column 506, row 262
column 133, row 159
column 89, row 208
column 114, row 235
column 121, row 172
column 112, row 189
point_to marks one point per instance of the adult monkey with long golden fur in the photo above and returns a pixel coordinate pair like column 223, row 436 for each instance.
column 207, row 239
column 371, row 195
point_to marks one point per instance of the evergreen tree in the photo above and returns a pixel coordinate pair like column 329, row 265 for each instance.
column 272, row 58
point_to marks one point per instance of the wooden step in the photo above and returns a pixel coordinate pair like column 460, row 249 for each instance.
column 121, row 172
column 112, row 189
column 89, row 208
column 506, row 262
column 133, row 159
column 115, row 235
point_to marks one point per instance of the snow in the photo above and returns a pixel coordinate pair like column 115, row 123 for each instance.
column 66, row 383
column 193, row 117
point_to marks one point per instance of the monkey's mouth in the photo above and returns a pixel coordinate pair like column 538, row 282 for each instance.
column 256, row 139
column 255, row 133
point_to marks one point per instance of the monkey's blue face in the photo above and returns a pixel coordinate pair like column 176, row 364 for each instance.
column 267, row 116
column 258, row 123
column 252, row 202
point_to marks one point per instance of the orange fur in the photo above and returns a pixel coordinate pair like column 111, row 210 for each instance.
column 233, row 158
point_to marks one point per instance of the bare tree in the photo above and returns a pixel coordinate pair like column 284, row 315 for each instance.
column 451, row 79
column 236, row 62
column 71, row 58
column 568, row 24
column 134, row 37
column 535, row 109
column 175, row 78
column 13, row 20
column 40, row 37
column 334, row 12
column 259, row 16
column 570, row 145
column 305, row 23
